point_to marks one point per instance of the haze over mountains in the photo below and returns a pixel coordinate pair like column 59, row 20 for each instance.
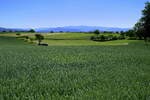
column 69, row 29
column 12, row 29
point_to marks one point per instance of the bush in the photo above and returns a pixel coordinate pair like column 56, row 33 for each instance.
column 114, row 38
column 102, row 38
column 109, row 37
column 18, row 34
column 92, row 38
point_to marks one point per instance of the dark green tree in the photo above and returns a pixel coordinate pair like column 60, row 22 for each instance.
column 31, row 30
column 51, row 31
column 139, row 30
column 143, row 26
column 130, row 33
column 39, row 37
column 102, row 38
column 97, row 32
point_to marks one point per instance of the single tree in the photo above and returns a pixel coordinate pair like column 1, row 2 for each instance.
column 31, row 30
column 39, row 37
column 97, row 32
column 51, row 31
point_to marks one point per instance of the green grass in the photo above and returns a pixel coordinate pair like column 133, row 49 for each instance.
column 70, row 35
column 54, row 35
column 30, row 72
column 10, row 41
column 86, row 42
column 71, row 39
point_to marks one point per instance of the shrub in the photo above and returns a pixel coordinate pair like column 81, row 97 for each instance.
column 92, row 38
column 102, row 38
column 18, row 34
column 114, row 38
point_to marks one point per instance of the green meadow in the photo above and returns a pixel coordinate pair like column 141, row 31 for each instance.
column 68, row 39
column 73, row 67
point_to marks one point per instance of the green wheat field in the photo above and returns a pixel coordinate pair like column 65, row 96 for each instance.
column 82, row 70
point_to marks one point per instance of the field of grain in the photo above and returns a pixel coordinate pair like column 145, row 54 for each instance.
column 31, row 72
column 69, row 39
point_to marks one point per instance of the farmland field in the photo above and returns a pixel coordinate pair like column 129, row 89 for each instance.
column 70, row 39
column 89, row 72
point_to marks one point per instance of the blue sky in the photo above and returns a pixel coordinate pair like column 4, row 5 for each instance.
column 53, row 13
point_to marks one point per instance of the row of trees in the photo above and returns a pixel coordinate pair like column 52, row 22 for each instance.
column 38, row 37
column 142, row 27
column 101, row 36
column 140, row 31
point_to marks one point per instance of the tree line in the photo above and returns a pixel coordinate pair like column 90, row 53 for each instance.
column 141, row 30
column 142, row 27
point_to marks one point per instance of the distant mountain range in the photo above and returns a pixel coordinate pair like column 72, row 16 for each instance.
column 12, row 29
column 80, row 29
column 69, row 29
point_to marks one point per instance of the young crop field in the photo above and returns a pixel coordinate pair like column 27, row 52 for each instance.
column 69, row 39
column 90, row 72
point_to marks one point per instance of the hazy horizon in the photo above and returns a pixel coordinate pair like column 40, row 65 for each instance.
column 56, row 13
column 60, row 27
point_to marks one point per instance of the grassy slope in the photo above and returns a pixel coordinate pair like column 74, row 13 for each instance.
column 10, row 41
column 73, row 72
column 72, row 39
column 58, row 35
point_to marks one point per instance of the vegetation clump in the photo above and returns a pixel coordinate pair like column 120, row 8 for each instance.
column 39, row 37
